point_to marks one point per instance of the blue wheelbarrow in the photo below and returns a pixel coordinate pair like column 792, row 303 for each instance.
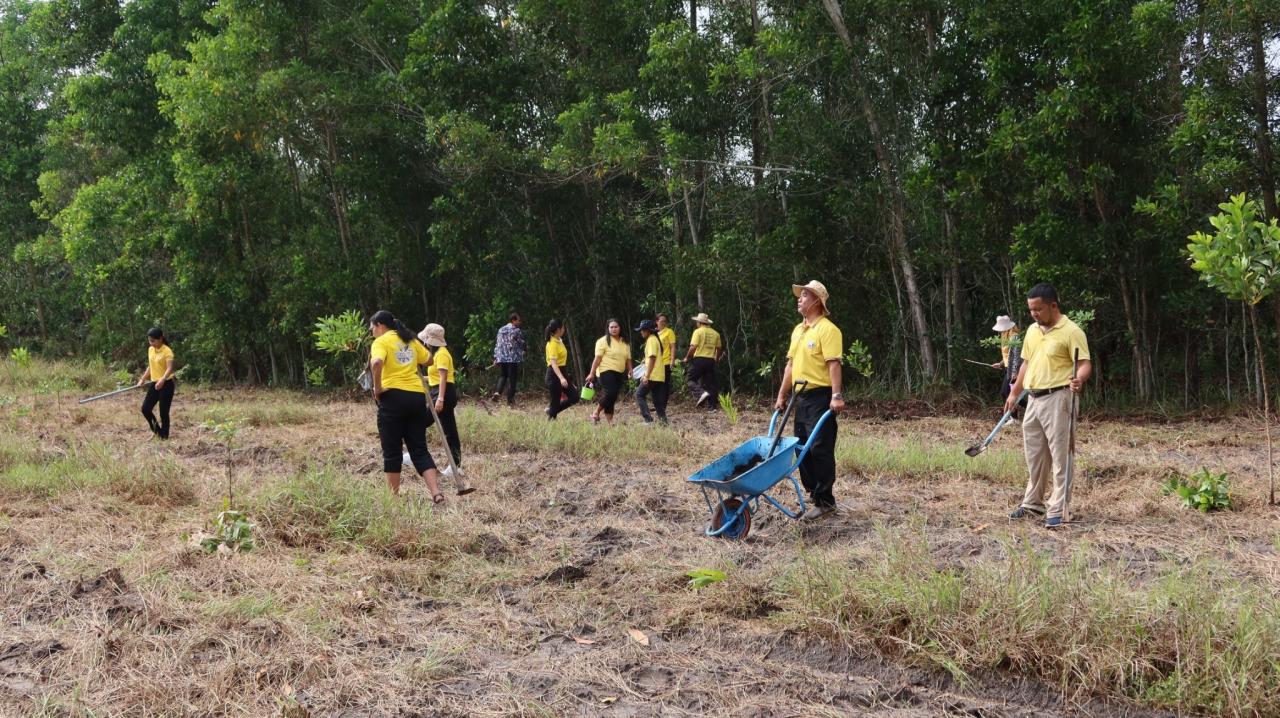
column 767, row 461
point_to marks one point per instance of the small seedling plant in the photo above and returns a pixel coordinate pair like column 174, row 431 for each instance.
column 340, row 335
column 703, row 577
column 730, row 411
column 1204, row 491
column 232, row 530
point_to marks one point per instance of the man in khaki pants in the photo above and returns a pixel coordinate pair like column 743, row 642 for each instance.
column 1047, row 362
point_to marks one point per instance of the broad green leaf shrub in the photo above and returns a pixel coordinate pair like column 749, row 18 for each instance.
column 1204, row 491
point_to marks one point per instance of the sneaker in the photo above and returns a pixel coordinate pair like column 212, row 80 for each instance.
column 702, row 399
column 817, row 512
column 1022, row 512
column 1053, row 522
column 495, row 396
column 647, row 422
column 448, row 471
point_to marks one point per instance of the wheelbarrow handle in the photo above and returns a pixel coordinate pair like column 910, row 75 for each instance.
column 795, row 391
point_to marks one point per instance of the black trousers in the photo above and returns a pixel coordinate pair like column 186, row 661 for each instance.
column 660, row 391
column 448, row 421
column 610, row 386
column 508, row 374
column 403, row 418
column 163, row 397
column 702, row 377
column 818, row 470
column 554, row 391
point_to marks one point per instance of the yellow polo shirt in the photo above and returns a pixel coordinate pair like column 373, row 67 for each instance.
column 400, row 361
column 654, row 348
column 556, row 353
column 158, row 360
column 707, row 341
column 811, row 348
column 441, row 360
column 613, row 355
column 668, row 337
column 1048, row 354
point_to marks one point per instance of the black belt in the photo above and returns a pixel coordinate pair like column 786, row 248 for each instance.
column 1037, row 393
column 816, row 390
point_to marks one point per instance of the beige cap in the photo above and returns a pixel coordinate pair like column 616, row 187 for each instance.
column 702, row 318
column 817, row 288
column 432, row 335
column 1003, row 323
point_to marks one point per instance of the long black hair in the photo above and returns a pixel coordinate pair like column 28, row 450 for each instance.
column 157, row 333
column 387, row 319
column 608, row 340
column 553, row 326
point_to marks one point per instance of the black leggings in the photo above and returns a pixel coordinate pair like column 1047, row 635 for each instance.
column 403, row 417
column 508, row 372
column 610, row 387
column 164, row 397
column 554, row 391
column 448, row 421
column 659, row 390
column 702, row 377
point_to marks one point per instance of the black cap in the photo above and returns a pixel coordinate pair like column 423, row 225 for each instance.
column 647, row 324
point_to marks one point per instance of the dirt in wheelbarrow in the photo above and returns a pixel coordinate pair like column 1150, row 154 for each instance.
column 562, row 587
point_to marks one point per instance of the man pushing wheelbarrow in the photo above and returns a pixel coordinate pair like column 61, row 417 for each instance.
column 813, row 379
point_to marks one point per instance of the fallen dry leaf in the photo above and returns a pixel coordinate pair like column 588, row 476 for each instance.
column 638, row 636
column 583, row 641
column 609, row 699
column 981, row 528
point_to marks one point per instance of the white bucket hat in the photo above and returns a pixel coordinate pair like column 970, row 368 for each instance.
column 702, row 318
column 432, row 335
column 1003, row 324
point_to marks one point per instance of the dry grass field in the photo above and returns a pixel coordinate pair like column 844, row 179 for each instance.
column 560, row 588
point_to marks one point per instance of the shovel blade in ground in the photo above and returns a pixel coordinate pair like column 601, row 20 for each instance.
column 975, row 449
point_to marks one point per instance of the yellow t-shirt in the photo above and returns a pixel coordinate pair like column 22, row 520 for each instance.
column 668, row 337
column 441, row 360
column 707, row 340
column 157, row 360
column 811, row 349
column 400, row 362
column 653, row 348
column 614, row 355
column 556, row 353
column 1048, row 355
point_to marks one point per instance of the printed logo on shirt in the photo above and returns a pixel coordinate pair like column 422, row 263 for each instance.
column 812, row 344
column 404, row 355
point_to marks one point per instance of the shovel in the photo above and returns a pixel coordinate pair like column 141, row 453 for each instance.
column 464, row 486
column 88, row 399
column 1071, row 445
column 982, row 446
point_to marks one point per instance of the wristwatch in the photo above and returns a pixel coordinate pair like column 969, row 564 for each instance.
column 837, row 395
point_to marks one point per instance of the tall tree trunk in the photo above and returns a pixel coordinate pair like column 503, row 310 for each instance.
column 338, row 193
column 1266, row 405
column 898, row 201
column 1262, row 118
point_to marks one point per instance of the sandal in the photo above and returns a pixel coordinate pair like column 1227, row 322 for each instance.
column 437, row 499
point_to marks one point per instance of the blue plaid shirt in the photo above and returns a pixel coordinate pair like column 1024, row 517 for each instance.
column 509, row 348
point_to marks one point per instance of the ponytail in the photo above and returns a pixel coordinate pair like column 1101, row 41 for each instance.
column 388, row 320
column 157, row 333
column 553, row 326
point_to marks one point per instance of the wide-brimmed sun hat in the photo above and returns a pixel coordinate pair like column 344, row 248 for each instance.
column 702, row 318
column 1003, row 323
column 432, row 335
column 819, row 289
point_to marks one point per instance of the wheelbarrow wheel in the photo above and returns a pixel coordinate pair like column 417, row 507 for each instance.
column 740, row 525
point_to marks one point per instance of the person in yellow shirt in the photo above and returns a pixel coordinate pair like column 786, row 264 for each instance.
column 159, row 372
column 667, row 336
column 705, row 349
column 611, row 366
column 814, row 356
column 1010, row 352
column 1049, row 352
column 403, row 418
column 561, row 393
column 654, row 380
column 444, row 389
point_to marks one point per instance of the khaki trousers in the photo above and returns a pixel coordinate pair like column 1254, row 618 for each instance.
column 1046, row 440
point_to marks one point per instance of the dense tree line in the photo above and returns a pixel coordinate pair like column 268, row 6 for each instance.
column 233, row 170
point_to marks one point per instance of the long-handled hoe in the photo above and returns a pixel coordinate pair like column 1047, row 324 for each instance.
column 1071, row 445
column 464, row 486
column 981, row 446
